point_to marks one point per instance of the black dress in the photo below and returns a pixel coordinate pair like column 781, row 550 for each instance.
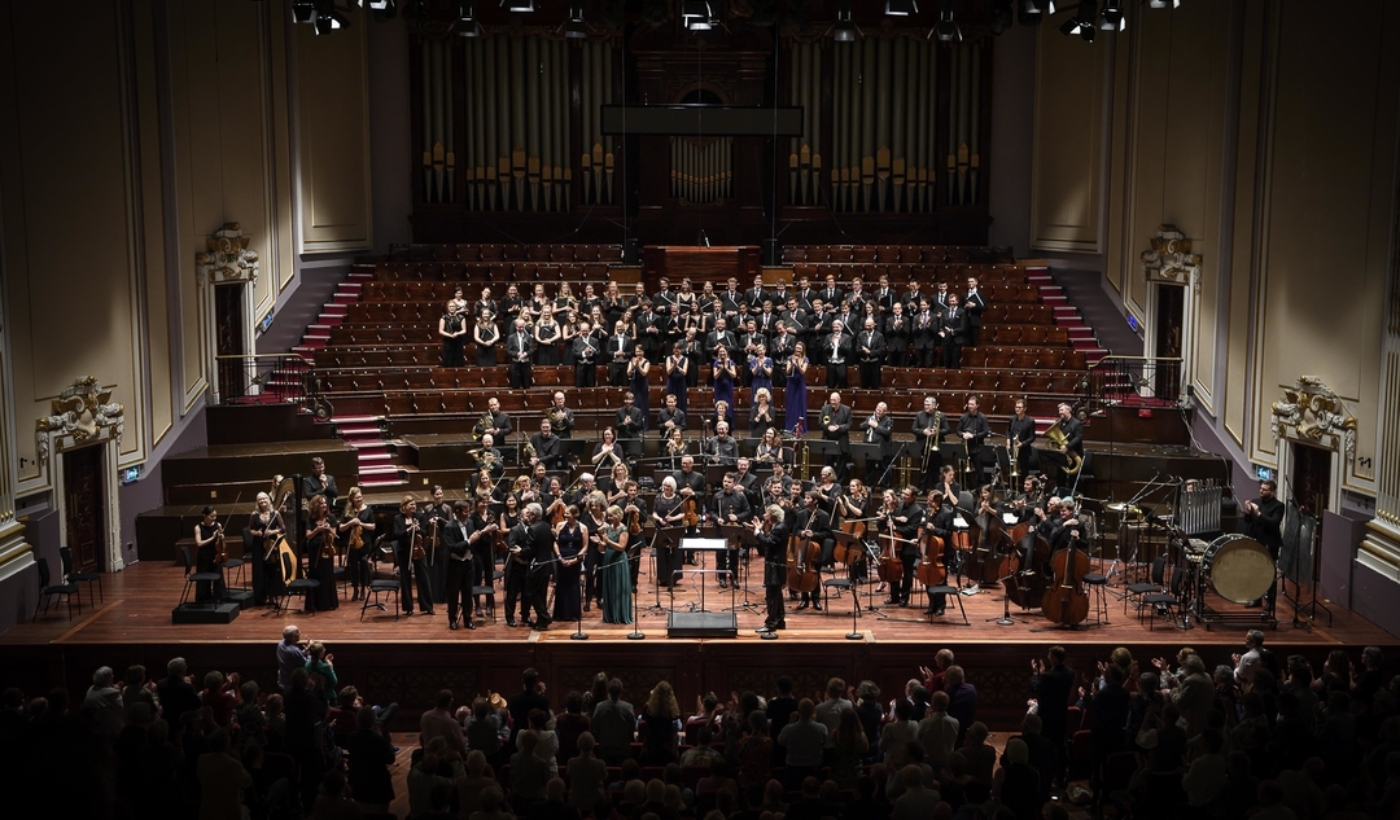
column 321, row 568
column 569, row 542
column 548, row 339
column 452, row 349
column 486, row 353
column 204, row 591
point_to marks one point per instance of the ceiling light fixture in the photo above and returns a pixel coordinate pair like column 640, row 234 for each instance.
column 1001, row 17
column 1034, row 11
column 329, row 19
column 1164, row 4
column 946, row 29
column 697, row 15
column 844, row 30
column 519, row 6
column 1111, row 18
column 467, row 26
column 901, row 8
column 575, row 28
column 303, row 11
column 1083, row 23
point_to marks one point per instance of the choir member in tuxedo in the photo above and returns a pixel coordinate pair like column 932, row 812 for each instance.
column 455, row 537
column 953, row 333
column 585, row 350
column 631, row 423
column 407, row 524
column 520, row 352
column 870, row 344
column 897, row 334
column 837, row 349
column 927, row 327
column 973, row 304
column 619, row 352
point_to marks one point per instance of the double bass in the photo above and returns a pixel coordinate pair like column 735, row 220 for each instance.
column 931, row 571
column 1066, row 601
column 1029, row 567
column 987, row 560
column 891, row 569
column 802, row 558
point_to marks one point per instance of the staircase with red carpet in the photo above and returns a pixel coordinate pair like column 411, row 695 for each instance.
column 1067, row 316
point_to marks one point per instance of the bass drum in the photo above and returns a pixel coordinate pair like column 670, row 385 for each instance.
column 1239, row 568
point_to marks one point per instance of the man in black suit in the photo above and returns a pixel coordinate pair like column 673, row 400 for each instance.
column 908, row 517
column 318, row 483
column 651, row 332
column 755, row 296
column 732, row 302
column 750, row 341
column 549, row 448
column 771, row 532
column 689, row 482
column 897, row 328
column 629, row 425
column 1263, row 521
column 459, row 564
column 973, row 305
column 930, row 428
column 721, row 336
column 813, row 523
column 871, row 346
column 877, row 430
column 406, row 524
column 561, row 417
column 585, row 347
column 912, row 298
column 926, row 327
column 537, row 550
column 973, row 429
column 836, row 426
column 730, row 507
column 520, row 352
column 1053, row 685
column 831, row 294
column 499, row 426
column 953, row 333
column 670, row 417
column 884, row 296
column 1020, row 437
column 837, row 350
column 618, row 353
column 1073, row 429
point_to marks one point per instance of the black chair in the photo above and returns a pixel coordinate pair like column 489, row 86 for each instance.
column 1154, row 584
column 65, row 554
column 192, row 577
column 47, row 591
column 1097, row 582
column 949, row 593
column 299, row 586
column 378, row 587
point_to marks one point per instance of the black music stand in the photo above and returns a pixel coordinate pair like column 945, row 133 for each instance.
column 827, row 449
column 745, row 537
column 865, row 454
column 673, row 535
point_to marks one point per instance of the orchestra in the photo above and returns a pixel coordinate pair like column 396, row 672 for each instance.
column 914, row 516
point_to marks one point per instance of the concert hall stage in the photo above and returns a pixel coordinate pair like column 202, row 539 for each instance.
column 410, row 660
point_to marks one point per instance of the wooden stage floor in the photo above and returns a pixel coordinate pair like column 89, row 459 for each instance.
column 409, row 660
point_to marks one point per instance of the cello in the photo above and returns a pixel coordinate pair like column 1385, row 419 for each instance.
column 802, row 558
column 1066, row 601
column 932, row 572
column 891, row 567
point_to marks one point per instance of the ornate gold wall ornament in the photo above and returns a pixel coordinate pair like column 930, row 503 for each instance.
column 81, row 414
column 227, row 258
column 1312, row 412
column 1171, row 259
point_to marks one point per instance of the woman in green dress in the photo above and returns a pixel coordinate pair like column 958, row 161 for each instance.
column 612, row 574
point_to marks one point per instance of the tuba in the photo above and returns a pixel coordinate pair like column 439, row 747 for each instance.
column 1057, row 439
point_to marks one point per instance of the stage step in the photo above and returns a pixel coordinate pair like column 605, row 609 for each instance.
column 356, row 419
column 373, row 458
column 360, row 430
column 381, row 484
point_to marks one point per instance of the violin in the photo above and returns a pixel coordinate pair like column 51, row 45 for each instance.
column 1067, row 601
column 220, row 546
column 691, row 509
column 417, row 553
column 634, row 522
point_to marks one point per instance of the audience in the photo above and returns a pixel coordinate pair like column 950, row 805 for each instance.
column 1156, row 744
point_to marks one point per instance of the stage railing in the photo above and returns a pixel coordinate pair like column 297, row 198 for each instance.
column 1148, row 380
column 269, row 378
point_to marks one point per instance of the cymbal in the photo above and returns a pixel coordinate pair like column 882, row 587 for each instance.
column 1123, row 508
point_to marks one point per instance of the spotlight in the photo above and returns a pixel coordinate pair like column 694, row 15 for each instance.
column 946, row 29
column 1083, row 23
column 1164, row 4
column 844, row 31
column 1111, row 18
column 901, row 8
column 467, row 26
column 330, row 20
column 303, row 11
column 381, row 9
column 575, row 28
column 697, row 15
column 519, row 6
column 1001, row 18
column 1033, row 11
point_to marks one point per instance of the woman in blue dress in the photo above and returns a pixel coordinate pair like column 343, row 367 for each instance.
column 676, row 366
column 761, row 366
column 615, row 580
column 637, row 370
column 571, row 540
column 795, row 397
column 724, row 373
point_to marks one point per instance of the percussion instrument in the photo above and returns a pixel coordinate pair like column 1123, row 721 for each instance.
column 1239, row 568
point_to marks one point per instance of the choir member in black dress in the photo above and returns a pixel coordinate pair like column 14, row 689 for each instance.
column 452, row 329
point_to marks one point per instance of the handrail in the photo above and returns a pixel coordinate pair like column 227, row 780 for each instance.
column 1115, row 380
column 263, row 378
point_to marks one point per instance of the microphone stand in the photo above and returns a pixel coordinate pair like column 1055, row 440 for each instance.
column 579, row 634
column 636, row 634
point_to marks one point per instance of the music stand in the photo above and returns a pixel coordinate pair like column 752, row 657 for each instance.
column 673, row 536
column 827, row 448
column 700, row 545
column 746, row 538
column 866, row 453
